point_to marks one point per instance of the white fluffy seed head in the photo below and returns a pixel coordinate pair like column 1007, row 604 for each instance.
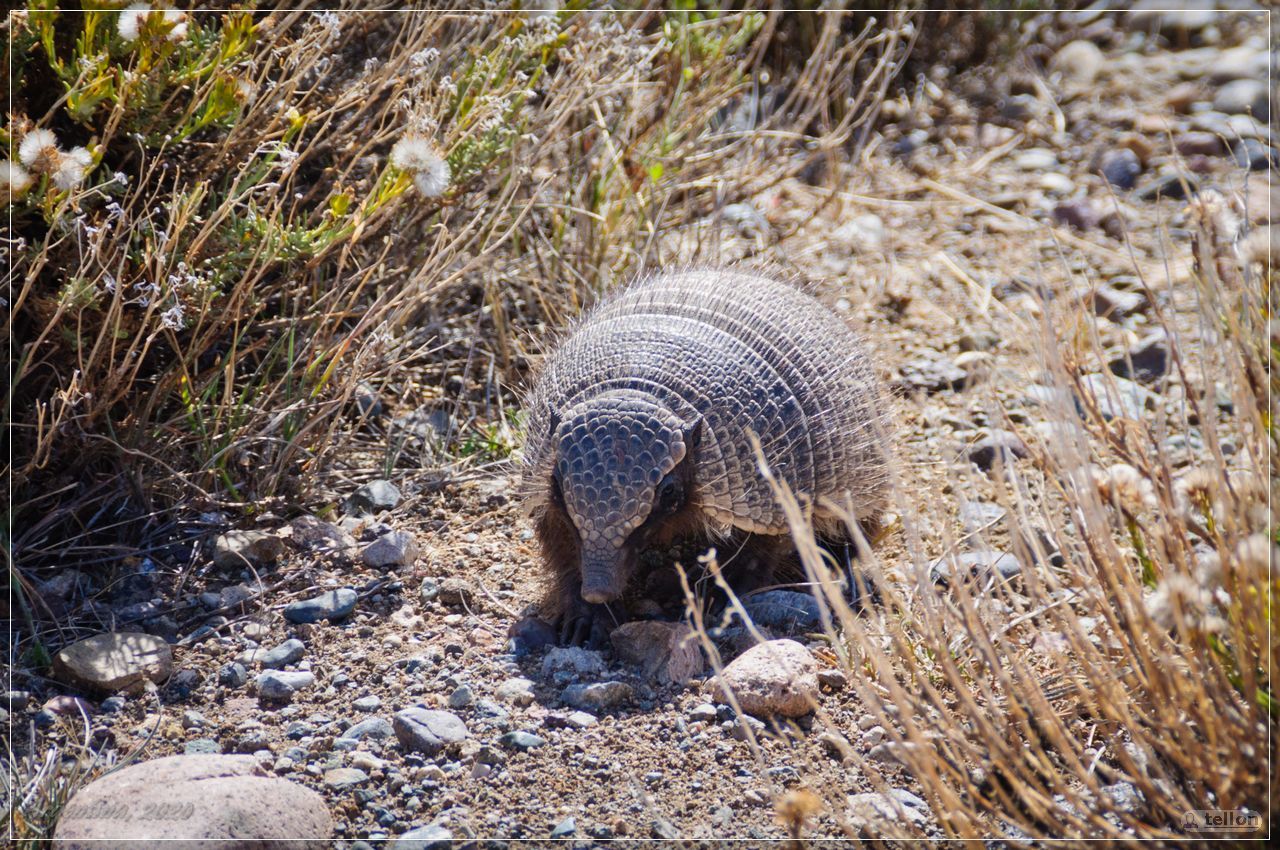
column 131, row 18
column 70, row 172
column 418, row 155
column 14, row 179
column 39, row 150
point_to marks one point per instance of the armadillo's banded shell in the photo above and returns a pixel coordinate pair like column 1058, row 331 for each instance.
column 748, row 354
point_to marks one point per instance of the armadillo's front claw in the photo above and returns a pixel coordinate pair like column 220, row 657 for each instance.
column 585, row 624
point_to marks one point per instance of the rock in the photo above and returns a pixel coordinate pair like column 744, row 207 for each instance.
column 391, row 549
column 330, row 605
column 1117, row 397
column 999, row 443
column 237, row 549
column 1121, row 167
column 1180, row 97
column 574, row 660
column 744, row 728
column 1238, row 63
column 425, row 730
column 703, row 713
column 1035, row 159
column 518, row 691
column 202, row 746
column 1077, row 63
column 1244, row 97
column 776, row 677
column 884, row 813
column 233, row 675
column 597, row 696
column 367, row 703
column 283, row 655
column 565, row 828
column 281, row 685
column 461, row 697
column 979, row 517
column 314, row 534
column 1172, row 187
column 373, row 728
column 343, row 778
column 368, row 402
column 1078, row 213
column 747, row 220
column 15, row 700
column 837, row 746
column 860, row 234
column 666, row 652
column 1198, row 143
column 528, row 635
column 115, row 661
column 455, row 591
column 430, row 837
column 521, row 741
column 931, row 375
column 1254, row 155
column 379, row 495
column 784, row 609
column 1229, row 127
column 1116, row 304
column 980, row 564
column 1147, row 362
column 1124, row 796
column 227, row 802
column 1156, row 16
column 833, row 678
column 428, row 591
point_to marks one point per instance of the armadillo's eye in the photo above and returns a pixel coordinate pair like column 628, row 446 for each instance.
column 670, row 493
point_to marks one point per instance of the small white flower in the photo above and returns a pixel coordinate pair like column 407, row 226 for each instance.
column 431, row 172
column 38, row 146
column 130, row 24
column 332, row 24
column 424, row 57
column 172, row 318
column 69, row 174
column 14, row 179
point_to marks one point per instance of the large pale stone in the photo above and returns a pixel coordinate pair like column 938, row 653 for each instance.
column 115, row 661
column 195, row 802
column 775, row 677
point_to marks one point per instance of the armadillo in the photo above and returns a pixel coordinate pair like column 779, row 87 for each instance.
column 641, row 426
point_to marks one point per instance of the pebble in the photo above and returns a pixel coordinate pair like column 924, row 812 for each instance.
column 999, row 443
column 455, row 591
column 428, row 731
column 202, row 746
column 703, row 712
column 237, row 549
column 860, row 234
column 521, row 741
column 317, row 535
column 366, row 704
column 980, row 564
column 16, row 700
column 112, row 705
column 1254, row 155
column 664, row 652
column 1147, row 362
column 115, row 661
column 282, row 685
column 1121, row 167
column 368, row 402
column 373, row 728
column 1035, row 159
column 378, row 495
column 286, row 653
column 343, row 778
column 1077, row 62
column 518, row 691
column 233, row 675
column 598, row 696
column 883, row 813
column 573, row 660
column 775, row 677
column 1172, row 187
column 1117, row 398
column 837, row 746
column 932, row 374
column 1079, row 214
column 1199, row 143
column 565, row 828
column 391, row 549
column 225, row 801
column 330, row 605
column 1243, row 97
column 461, row 697
column 529, row 635
column 1115, row 304
column 429, row 837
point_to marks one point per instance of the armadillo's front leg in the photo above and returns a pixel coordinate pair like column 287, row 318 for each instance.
column 577, row 621
column 585, row 624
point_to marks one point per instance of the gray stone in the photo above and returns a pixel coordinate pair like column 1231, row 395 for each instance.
column 330, row 605
column 461, row 697
column 1078, row 213
column 574, row 660
column 565, row 828
column 520, row 740
column 931, row 374
column 1077, row 62
column 1121, row 167
column 428, row 731
column 516, row 690
column 1115, row 304
column 317, row 535
column 998, row 444
column 703, row 713
column 1158, row 16
column 391, row 549
column 373, row 728
column 1172, row 186
column 367, row 703
column 784, row 609
column 281, row 685
column 233, row 675
column 283, row 655
column 202, row 746
column 1254, row 155
column 979, row 564
column 430, row 837
column 455, row 590
column 116, row 661
column 1117, row 398
column 16, row 700
column 190, row 801
column 345, row 777
column 1244, row 97
column 237, row 549
column 528, row 635
column 379, row 495
column 597, row 696
column 878, row 813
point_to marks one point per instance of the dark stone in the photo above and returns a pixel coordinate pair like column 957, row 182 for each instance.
column 1196, row 143
column 233, row 675
column 379, row 495
column 1172, row 187
column 1116, row 304
column 999, row 443
column 783, row 609
column 1079, row 214
column 428, row 731
column 522, row 741
column 1254, row 155
column 330, row 605
column 529, row 635
column 1147, row 362
column 1121, row 167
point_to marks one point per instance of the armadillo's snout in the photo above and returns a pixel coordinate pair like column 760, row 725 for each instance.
column 604, row 575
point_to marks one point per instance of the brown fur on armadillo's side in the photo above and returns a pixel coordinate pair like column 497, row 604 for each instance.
column 729, row 355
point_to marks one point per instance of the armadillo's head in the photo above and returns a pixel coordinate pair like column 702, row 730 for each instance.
column 619, row 468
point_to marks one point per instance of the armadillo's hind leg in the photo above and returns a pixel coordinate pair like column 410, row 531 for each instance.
column 846, row 554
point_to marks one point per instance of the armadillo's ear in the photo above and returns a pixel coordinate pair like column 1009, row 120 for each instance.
column 693, row 433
